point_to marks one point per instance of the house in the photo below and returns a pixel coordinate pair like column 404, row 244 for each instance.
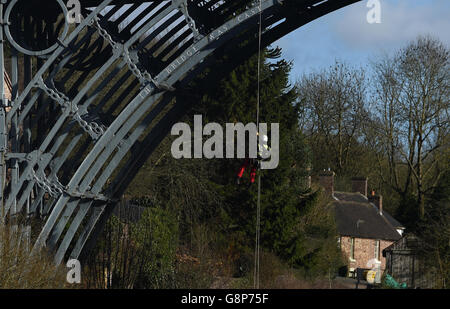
column 364, row 228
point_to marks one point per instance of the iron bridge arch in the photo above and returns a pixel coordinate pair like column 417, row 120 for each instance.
column 68, row 150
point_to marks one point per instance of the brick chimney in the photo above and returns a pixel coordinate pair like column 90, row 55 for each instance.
column 377, row 200
column 326, row 179
column 359, row 184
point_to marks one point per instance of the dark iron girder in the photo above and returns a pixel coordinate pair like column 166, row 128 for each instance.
column 100, row 89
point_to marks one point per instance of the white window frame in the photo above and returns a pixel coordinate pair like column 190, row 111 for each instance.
column 377, row 249
column 352, row 249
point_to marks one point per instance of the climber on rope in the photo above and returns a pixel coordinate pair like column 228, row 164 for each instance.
column 254, row 164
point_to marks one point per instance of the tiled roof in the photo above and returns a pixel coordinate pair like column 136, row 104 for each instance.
column 362, row 220
column 392, row 220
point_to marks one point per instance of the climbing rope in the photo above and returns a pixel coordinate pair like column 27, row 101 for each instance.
column 258, row 207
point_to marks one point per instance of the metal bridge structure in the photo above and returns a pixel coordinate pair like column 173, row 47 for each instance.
column 85, row 104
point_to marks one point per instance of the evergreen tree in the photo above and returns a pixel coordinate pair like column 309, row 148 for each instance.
column 204, row 191
column 282, row 203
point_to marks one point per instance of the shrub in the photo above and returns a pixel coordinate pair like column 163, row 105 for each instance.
column 21, row 270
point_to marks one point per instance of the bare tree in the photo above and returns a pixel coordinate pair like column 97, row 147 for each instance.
column 333, row 106
column 410, row 125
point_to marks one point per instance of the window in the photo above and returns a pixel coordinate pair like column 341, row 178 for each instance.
column 352, row 248
column 377, row 250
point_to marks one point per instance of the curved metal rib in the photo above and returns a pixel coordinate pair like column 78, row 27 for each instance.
column 141, row 54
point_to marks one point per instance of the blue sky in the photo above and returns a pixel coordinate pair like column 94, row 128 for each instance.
column 346, row 35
